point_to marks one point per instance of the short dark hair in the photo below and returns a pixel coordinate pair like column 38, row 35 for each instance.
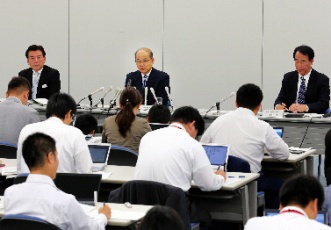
column 35, row 149
column 187, row 114
column 59, row 104
column 159, row 114
column 300, row 190
column 35, row 48
column 161, row 218
column 86, row 123
column 249, row 96
column 18, row 84
column 305, row 50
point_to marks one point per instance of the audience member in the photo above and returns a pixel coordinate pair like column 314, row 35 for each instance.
column 74, row 155
column 249, row 137
column 125, row 128
column 304, row 90
column 327, row 158
column 88, row 124
column 14, row 114
column 159, row 114
column 300, row 199
column 39, row 197
column 44, row 80
column 161, row 218
column 147, row 76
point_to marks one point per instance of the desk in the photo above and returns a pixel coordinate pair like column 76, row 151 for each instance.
column 236, row 201
column 116, row 208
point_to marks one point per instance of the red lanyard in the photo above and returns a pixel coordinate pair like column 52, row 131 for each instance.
column 176, row 126
column 291, row 210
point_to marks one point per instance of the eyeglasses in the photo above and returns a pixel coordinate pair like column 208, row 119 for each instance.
column 143, row 61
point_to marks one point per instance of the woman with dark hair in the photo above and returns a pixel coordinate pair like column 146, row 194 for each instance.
column 125, row 128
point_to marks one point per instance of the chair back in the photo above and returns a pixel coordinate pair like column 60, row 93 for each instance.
column 8, row 150
column 82, row 186
column 152, row 193
column 20, row 178
column 24, row 222
column 122, row 156
column 155, row 126
column 236, row 164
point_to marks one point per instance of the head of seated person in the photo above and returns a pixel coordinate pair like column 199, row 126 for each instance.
column 159, row 114
column 130, row 102
column 87, row 123
column 249, row 96
column 19, row 87
column 161, row 218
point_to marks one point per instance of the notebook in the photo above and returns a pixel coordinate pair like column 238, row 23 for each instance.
column 322, row 216
column 217, row 154
column 279, row 131
column 99, row 154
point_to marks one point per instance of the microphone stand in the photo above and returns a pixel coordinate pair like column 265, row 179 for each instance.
column 91, row 101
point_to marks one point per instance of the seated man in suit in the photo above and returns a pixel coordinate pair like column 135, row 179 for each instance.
column 14, row 114
column 300, row 199
column 43, row 79
column 39, row 197
column 74, row 154
column 304, row 90
column 148, row 77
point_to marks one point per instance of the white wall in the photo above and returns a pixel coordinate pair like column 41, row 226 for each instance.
column 209, row 48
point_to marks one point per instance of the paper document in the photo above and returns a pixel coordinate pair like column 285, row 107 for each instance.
column 9, row 170
column 105, row 175
column 297, row 150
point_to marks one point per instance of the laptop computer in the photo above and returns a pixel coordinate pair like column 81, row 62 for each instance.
column 279, row 131
column 321, row 217
column 217, row 154
column 99, row 154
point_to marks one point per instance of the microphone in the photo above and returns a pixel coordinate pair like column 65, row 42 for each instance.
column 225, row 98
column 219, row 103
column 146, row 92
column 102, row 98
column 153, row 93
column 117, row 93
column 168, row 94
column 90, row 96
column 129, row 83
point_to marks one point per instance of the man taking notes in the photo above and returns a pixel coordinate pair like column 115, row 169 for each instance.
column 304, row 90
column 39, row 197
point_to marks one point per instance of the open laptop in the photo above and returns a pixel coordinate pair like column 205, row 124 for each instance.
column 321, row 217
column 99, row 154
column 279, row 131
column 217, row 154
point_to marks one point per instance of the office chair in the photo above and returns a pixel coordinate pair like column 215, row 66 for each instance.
column 24, row 222
column 155, row 126
column 8, row 150
column 122, row 156
column 152, row 193
column 82, row 186
column 236, row 164
column 20, row 178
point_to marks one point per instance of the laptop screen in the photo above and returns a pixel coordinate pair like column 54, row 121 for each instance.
column 279, row 131
column 99, row 153
column 217, row 154
column 321, row 216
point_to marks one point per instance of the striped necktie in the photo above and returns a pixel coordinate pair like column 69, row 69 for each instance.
column 144, row 81
column 302, row 91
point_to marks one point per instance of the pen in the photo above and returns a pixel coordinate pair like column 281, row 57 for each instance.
column 218, row 168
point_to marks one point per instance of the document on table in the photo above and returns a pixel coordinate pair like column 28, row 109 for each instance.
column 297, row 150
column 9, row 170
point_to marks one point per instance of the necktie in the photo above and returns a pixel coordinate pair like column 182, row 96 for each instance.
column 35, row 82
column 302, row 91
column 144, row 81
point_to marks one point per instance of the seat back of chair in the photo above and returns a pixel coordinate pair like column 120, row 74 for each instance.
column 24, row 222
column 122, row 156
column 8, row 150
column 236, row 164
column 155, row 126
column 20, row 178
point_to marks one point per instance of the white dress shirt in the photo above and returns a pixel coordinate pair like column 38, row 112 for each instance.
column 73, row 152
column 39, row 197
column 291, row 218
column 170, row 156
column 247, row 136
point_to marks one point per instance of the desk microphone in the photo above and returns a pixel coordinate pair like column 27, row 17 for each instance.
column 168, row 94
column 90, row 95
column 129, row 83
column 102, row 98
column 304, row 136
column 146, row 92
column 112, row 102
column 153, row 93
column 225, row 98
column 219, row 103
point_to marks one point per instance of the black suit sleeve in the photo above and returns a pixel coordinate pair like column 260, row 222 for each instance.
column 319, row 102
column 54, row 85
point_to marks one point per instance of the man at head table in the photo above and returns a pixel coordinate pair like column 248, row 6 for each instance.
column 39, row 197
column 304, row 90
column 147, row 77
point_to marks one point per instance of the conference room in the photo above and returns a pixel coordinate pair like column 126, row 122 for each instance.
column 209, row 49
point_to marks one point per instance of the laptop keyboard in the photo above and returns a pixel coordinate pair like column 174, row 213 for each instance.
column 91, row 203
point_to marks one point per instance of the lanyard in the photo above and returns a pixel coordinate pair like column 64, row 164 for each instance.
column 176, row 126
column 291, row 210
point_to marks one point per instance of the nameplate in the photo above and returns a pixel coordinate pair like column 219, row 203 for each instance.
column 273, row 113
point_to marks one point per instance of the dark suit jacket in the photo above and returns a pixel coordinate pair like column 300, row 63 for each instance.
column 158, row 80
column 317, row 94
column 49, row 82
